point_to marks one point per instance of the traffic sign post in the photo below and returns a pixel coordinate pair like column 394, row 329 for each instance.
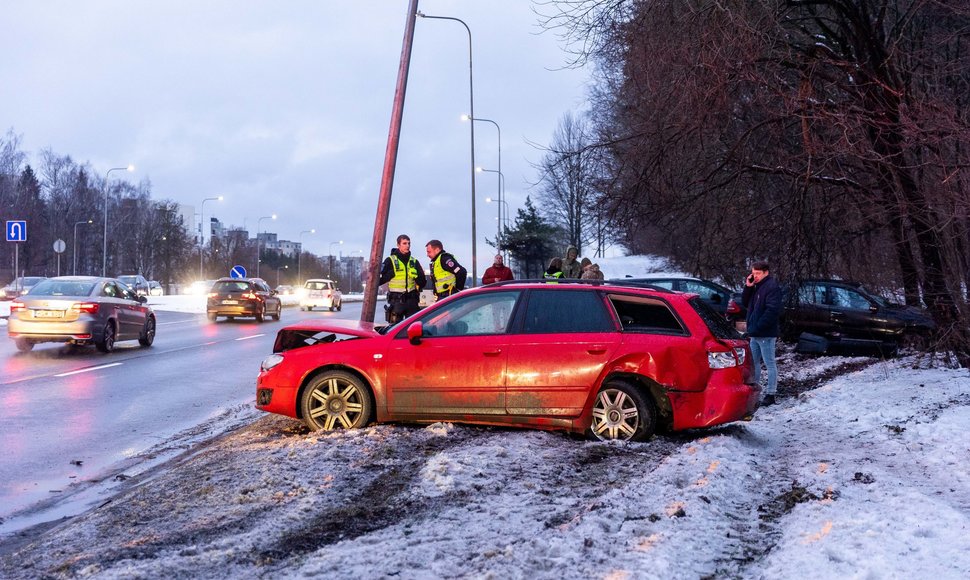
column 59, row 246
column 237, row 272
column 16, row 232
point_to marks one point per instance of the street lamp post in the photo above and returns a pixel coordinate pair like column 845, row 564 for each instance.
column 501, row 187
column 202, row 231
column 258, row 223
column 330, row 251
column 299, row 257
column 499, row 129
column 286, row 267
column 104, row 249
column 471, row 114
column 76, row 224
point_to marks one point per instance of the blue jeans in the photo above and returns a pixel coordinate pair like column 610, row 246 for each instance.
column 763, row 349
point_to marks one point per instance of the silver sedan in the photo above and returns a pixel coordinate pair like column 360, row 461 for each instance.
column 80, row 310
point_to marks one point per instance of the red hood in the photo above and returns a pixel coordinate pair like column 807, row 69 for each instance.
column 310, row 332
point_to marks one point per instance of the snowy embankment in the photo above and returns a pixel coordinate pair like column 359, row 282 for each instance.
column 858, row 472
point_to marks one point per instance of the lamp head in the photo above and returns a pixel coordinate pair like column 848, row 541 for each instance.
column 130, row 168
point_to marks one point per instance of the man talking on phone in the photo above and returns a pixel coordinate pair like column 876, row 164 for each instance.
column 762, row 298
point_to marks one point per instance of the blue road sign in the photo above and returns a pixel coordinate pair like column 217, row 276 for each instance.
column 17, row 230
column 237, row 272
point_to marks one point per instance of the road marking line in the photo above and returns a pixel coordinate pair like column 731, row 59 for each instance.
column 88, row 370
column 248, row 337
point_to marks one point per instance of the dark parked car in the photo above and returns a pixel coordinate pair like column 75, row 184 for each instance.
column 611, row 360
column 136, row 282
column 846, row 313
column 80, row 310
column 721, row 299
column 235, row 297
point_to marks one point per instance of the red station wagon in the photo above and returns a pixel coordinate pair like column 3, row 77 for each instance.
column 600, row 358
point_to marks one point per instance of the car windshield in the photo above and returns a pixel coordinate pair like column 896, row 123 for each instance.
column 62, row 288
column 129, row 279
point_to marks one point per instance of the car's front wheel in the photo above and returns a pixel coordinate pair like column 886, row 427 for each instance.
column 622, row 412
column 336, row 400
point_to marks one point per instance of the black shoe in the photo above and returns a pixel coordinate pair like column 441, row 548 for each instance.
column 768, row 401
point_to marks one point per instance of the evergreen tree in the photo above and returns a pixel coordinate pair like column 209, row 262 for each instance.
column 531, row 242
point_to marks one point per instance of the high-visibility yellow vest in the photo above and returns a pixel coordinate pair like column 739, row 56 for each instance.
column 405, row 275
column 552, row 277
column 444, row 280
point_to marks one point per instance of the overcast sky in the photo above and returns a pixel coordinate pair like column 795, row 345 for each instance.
column 284, row 107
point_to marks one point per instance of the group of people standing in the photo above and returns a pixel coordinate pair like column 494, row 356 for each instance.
column 572, row 267
column 405, row 277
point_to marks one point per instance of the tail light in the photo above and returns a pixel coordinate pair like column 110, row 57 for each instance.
column 211, row 295
column 249, row 296
column 732, row 307
column 17, row 307
column 85, row 307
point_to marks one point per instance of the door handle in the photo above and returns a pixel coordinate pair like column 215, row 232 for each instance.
column 596, row 349
column 494, row 352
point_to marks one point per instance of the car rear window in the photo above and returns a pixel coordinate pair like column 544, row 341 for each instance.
column 556, row 311
column 646, row 315
column 62, row 288
column 229, row 286
column 719, row 326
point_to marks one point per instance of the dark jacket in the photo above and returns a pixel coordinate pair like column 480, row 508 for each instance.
column 763, row 301
column 387, row 269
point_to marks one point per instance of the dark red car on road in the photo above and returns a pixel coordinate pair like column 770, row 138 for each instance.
column 608, row 360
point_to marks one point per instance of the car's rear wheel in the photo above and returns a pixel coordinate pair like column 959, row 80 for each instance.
column 622, row 412
column 24, row 345
column 261, row 313
column 336, row 400
column 107, row 341
column 211, row 316
column 148, row 333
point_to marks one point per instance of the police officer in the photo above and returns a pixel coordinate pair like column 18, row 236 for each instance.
column 404, row 278
column 447, row 274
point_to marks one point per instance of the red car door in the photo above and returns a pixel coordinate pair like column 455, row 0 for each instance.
column 458, row 367
column 556, row 357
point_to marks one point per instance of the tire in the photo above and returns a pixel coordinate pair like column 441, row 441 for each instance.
column 332, row 307
column 340, row 305
column 107, row 341
column 261, row 314
column 148, row 333
column 336, row 400
column 24, row 345
column 279, row 312
column 622, row 412
column 211, row 316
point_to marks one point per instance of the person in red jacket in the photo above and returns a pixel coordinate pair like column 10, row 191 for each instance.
column 497, row 272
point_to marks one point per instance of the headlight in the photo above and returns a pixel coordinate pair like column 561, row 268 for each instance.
column 721, row 360
column 270, row 362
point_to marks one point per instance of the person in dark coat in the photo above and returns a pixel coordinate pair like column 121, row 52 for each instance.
column 405, row 279
column 762, row 298
column 554, row 271
column 571, row 267
column 497, row 272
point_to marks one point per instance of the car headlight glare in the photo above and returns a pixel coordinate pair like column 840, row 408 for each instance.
column 270, row 362
column 721, row 360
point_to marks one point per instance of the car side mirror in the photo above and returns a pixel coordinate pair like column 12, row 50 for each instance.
column 415, row 332
column 141, row 299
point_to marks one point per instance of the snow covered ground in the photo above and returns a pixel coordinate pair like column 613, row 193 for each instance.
column 859, row 472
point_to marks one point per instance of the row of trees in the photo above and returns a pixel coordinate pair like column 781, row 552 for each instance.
column 145, row 236
column 830, row 137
